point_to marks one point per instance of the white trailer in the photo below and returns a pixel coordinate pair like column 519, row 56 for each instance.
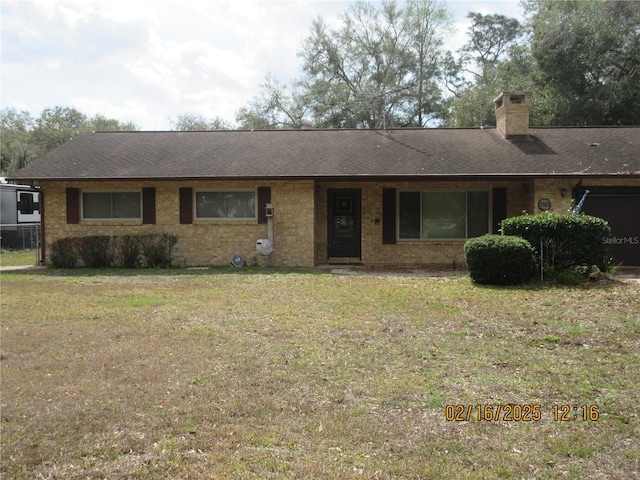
column 19, row 215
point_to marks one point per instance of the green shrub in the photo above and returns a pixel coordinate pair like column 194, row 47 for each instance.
column 157, row 249
column 96, row 251
column 499, row 259
column 129, row 248
column 565, row 241
column 63, row 253
column 152, row 250
column 568, row 276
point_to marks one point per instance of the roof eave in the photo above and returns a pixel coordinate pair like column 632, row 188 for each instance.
column 339, row 177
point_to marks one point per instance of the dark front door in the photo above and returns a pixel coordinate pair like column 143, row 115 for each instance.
column 344, row 223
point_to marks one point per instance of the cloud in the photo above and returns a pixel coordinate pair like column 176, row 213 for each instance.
column 147, row 61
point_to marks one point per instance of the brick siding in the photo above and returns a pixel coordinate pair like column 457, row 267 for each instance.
column 299, row 222
column 204, row 242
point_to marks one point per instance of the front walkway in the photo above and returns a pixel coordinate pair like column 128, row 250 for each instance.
column 8, row 268
column 397, row 270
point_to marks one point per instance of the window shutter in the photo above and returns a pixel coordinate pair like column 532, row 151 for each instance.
column 73, row 205
column 149, row 205
column 388, row 216
column 264, row 197
column 499, row 207
column 186, row 205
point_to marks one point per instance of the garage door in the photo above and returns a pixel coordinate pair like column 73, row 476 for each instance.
column 620, row 206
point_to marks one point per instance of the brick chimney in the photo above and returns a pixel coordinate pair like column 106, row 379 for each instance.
column 512, row 114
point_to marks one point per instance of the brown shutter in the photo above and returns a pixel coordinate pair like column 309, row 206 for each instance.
column 388, row 216
column 73, row 205
column 499, row 207
column 264, row 197
column 149, row 205
column 186, row 205
column 43, row 243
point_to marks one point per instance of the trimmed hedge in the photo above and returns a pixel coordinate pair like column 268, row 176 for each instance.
column 63, row 253
column 567, row 241
column 157, row 249
column 101, row 251
column 96, row 251
column 130, row 251
column 499, row 259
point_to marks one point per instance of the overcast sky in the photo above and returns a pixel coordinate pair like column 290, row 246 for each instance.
column 149, row 61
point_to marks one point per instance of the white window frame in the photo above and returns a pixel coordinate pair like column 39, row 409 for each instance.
column 225, row 190
column 466, row 191
column 111, row 219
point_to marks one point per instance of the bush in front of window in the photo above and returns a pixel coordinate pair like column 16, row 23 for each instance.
column 63, row 253
column 499, row 260
column 96, row 251
column 153, row 250
column 565, row 241
column 157, row 249
column 129, row 251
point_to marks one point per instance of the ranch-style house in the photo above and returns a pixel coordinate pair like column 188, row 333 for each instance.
column 399, row 196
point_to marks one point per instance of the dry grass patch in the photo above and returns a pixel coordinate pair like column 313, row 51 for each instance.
column 11, row 258
column 299, row 375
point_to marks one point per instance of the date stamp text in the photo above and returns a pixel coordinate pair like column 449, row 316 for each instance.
column 512, row 412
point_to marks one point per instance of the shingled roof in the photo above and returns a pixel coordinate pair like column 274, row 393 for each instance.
column 407, row 153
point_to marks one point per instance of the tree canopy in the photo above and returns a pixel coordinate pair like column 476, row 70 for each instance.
column 191, row 122
column 386, row 66
column 587, row 56
column 487, row 65
column 25, row 138
column 381, row 68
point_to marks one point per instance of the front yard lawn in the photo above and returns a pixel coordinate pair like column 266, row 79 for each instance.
column 10, row 258
column 200, row 374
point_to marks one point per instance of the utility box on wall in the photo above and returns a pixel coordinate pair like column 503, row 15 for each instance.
column 269, row 210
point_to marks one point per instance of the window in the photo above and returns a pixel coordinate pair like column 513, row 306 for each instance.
column 26, row 203
column 111, row 205
column 216, row 204
column 443, row 215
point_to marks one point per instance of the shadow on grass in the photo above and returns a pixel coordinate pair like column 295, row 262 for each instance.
column 537, row 285
column 159, row 272
column 534, row 285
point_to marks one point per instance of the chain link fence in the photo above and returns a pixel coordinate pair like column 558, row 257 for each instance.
column 20, row 244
